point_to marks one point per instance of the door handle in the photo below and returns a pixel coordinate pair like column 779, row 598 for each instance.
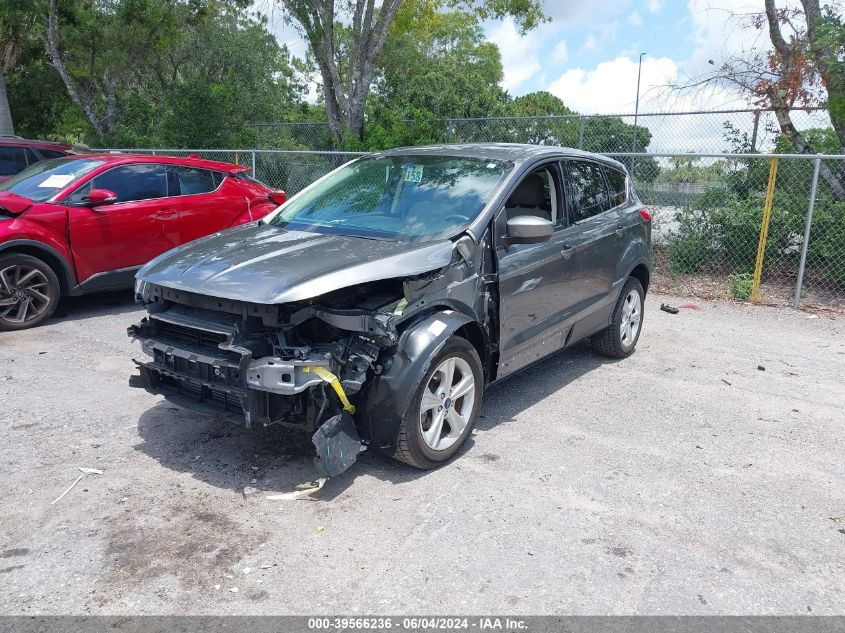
column 620, row 229
column 567, row 251
column 165, row 214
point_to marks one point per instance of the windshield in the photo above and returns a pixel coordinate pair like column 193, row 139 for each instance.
column 45, row 179
column 404, row 198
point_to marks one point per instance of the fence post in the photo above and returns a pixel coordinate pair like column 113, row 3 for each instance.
column 253, row 164
column 764, row 231
column 581, row 132
column 754, row 131
column 810, row 206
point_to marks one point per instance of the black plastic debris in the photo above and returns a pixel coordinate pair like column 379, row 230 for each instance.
column 670, row 309
column 338, row 444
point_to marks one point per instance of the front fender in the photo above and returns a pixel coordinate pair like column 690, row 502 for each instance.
column 389, row 394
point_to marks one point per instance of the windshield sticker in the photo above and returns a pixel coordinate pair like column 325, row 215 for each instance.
column 413, row 173
column 56, row 181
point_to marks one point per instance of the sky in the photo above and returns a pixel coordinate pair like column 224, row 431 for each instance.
column 588, row 53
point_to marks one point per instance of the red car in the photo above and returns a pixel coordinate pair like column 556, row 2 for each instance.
column 16, row 154
column 86, row 223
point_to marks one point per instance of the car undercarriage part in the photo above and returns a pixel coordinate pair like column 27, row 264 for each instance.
column 338, row 444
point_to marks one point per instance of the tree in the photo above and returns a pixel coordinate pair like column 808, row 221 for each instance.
column 346, row 56
column 156, row 72
column 543, row 119
column 435, row 65
column 804, row 68
column 16, row 20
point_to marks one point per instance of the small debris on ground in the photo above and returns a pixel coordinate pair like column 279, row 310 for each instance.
column 320, row 528
column 84, row 471
column 761, row 368
column 726, row 382
column 690, row 306
column 299, row 494
column 246, row 570
column 233, row 589
column 267, row 565
column 670, row 309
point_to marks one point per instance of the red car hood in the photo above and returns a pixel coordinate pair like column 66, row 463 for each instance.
column 13, row 203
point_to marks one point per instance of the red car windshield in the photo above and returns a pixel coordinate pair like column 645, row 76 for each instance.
column 45, row 179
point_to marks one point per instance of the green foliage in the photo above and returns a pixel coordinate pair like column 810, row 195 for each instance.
column 691, row 246
column 741, row 284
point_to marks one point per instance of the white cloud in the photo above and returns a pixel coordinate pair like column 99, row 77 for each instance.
column 589, row 44
column 634, row 19
column 654, row 6
column 561, row 52
column 612, row 85
column 520, row 53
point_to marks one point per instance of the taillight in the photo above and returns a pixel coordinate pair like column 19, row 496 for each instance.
column 646, row 214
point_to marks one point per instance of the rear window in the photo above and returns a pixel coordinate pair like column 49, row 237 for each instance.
column 45, row 179
column 587, row 190
column 194, row 181
column 52, row 153
column 616, row 184
column 12, row 160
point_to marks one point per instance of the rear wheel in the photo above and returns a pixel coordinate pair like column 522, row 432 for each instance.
column 29, row 292
column 445, row 408
column 620, row 339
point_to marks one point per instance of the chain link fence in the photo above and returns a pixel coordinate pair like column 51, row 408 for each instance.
column 711, row 132
column 709, row 212
column 763, row 227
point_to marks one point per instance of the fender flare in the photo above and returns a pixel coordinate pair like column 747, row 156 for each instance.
column 389, row 394
column 66, row 274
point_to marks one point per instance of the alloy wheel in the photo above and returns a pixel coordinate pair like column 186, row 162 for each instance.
column 631, row 314
column 447, row 403
column 24, row 293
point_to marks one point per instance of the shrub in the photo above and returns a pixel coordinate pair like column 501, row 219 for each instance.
column 741, row 285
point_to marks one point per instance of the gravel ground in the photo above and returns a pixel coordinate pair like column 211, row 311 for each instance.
column 682, row 480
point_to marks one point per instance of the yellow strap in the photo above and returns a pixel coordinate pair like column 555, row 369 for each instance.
column 330, row 378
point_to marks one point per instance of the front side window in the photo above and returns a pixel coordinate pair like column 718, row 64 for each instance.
column 616, row 185
column 134, row 182
column 12, row 160
column 193, row 181
column 45, row 179
column 406, row 198
column 587, row 189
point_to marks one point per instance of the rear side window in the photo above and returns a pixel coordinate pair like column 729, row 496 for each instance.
column 616, row 186
column 12, row 160
column 134, row 182
column 51, row 153
column 193, row 181
column 586, row 187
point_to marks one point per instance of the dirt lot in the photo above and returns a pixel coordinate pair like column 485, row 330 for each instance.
column 681, row 480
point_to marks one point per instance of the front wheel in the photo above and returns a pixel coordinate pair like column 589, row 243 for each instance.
column 445, row 408
column 29, row 292
column 620, row 338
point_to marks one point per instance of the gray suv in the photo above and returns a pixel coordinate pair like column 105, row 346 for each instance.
column 374, row 307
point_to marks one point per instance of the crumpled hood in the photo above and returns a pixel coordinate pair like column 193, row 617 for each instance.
column 13, row 203
column 265, row 264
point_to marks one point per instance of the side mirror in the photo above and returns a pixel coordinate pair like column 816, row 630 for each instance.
column 279, row 197
column 528, row 229
column 97, row 197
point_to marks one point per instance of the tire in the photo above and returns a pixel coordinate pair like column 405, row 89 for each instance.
column 419, row 444
column 620, row 338
column 29, row 292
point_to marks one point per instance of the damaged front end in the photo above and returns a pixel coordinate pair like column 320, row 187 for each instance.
column 358, row 350
column 295, row 364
